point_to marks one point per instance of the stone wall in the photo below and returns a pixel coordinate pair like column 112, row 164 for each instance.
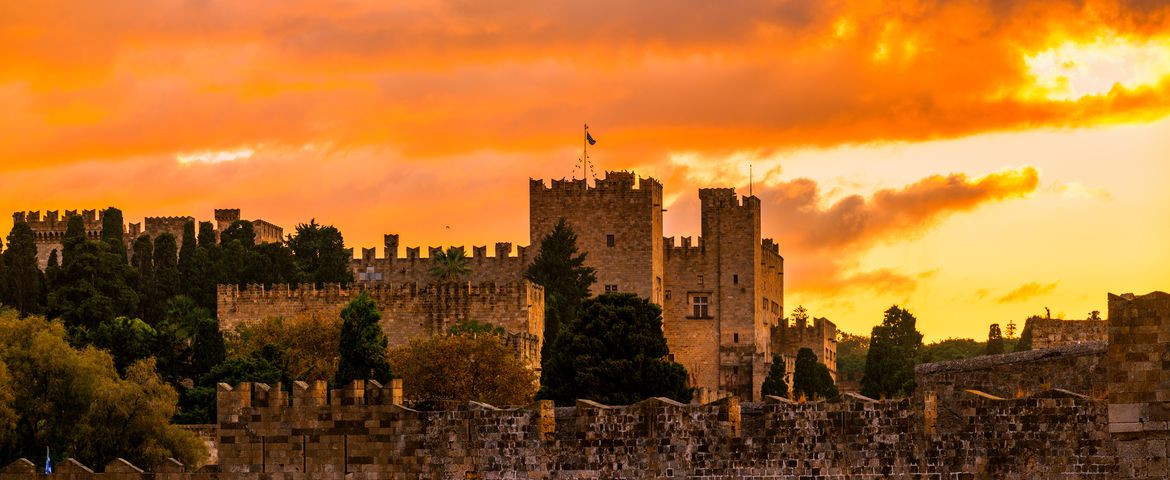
column 1139, row 382
column 408, row 311
column 502, row 268
column 1079, row 368
column 1055, row 332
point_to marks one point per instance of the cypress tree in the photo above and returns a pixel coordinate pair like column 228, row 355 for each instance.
column 186, row 254
column 994, row 340
column 73, row 239
column 362, row 343
column 566, row 281
column 206, row 234
column 143, row 261
column 804, row 375
column 166, row 267
column 113, row 231
column 52, row 270
column 24, row 275
column 774, row 383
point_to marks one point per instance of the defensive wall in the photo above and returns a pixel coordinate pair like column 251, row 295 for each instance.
column 363, row 431
column 49, row 230
column 503, row 267
column 1055, row 332
column 409, row 311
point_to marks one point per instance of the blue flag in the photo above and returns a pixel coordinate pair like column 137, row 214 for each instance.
column 590, row 138
column 48, row 462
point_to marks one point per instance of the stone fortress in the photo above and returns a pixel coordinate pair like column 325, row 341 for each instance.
column 722, row 295
column 1081, row 410
column 50, row 229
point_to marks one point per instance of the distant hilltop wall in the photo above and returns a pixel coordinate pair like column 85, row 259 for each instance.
column 1055, row 332
column 408, row 310
column 502, row 268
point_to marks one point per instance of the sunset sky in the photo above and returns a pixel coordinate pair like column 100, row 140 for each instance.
column 973, row 161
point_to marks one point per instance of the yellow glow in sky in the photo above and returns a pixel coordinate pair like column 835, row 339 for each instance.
column 1074, row 69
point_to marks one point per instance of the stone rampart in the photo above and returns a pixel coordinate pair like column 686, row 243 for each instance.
column 363, row 432
column 408, row 310
column 503, row 267
column 1055, row 332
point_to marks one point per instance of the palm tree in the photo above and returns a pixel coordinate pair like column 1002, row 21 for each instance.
column 450, row 265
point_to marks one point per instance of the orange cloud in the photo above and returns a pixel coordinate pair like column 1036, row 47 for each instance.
column 84, row 81
column 1028, row 291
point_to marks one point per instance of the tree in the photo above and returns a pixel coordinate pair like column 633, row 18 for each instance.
column 462, row 368
column 52, row 270
column 825, row 387
column 474, row 328
column 241, row 230
column 851, row 353
column 951, row 349
column 207, row 237
column 74, row 400
column 566, row 281
column 774, row 383
column 127, row 339
column 143, row 260
column 362, row 343
column 94, row 283
column 450, row 266
column 615, row 353
column 166, row 267
column 807, row 379
column 189, row 343
column 186, row 256
column 321, row 254
column 23, row 274
column 994, row 340
column 893, row 351
column 113, row 230
column 300, row 345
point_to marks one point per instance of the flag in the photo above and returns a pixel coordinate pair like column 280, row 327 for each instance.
column 48, row 462
column 589, row 138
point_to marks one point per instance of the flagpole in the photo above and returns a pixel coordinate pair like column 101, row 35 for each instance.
column 585, row 154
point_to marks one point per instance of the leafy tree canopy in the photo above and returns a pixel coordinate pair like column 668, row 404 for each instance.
column 321, row 255
column 450, row 265
column 362, row 343
column 302, row 347
column 893, row 352
column 460, row 368
column 774, row 383
column 561, row 270
column 614, row 353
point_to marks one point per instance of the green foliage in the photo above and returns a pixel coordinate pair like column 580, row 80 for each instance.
column 302, row 347
column 241, row 230
column 186, row 256
column 566, row 281
column 94, row 284
column 462, row 368
column 474, row 328
column 951, row 349
column 812, row 379
column 52, row 270
column 893, row 351
column 189, row 343
column 851, row 353
column 994, row 340
column 614, row 353
column 112, row 231
column 362, row 343
column 127, row 339
column 142, row 259
column 206, row 236
column 74, row 401
column 166, row 267
column 321, row 254
column 23, row 275
column 450, row 265
column 774, row 383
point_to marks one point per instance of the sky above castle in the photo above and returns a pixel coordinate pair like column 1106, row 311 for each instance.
column 975, row 161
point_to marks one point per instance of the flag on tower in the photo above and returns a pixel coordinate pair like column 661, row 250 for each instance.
column 589, row 138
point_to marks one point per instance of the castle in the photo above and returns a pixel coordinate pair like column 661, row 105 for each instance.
column 50, row 230
column 722, row 294
column 1081, row 410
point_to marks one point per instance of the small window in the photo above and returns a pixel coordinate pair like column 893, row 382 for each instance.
column 700, row 307
column 670, row 356
column 668, row 294
column 609, row 240
column 700, row 279
column 735, row 338
column 610, row 288
column 735, row 279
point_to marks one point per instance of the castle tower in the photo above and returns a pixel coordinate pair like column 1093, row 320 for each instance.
column 618, row 223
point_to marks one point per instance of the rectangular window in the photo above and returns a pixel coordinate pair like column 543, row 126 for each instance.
column 610, row 288
column 735, row 279
column 735, row 338
column 700, row 279
column 609, row 240
column 668, row 294
column 700, row 307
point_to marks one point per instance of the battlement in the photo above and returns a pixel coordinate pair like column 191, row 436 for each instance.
column 685, row 247
column 227, row 215
column 613, row 182
column 724, row 198
column 333, row 291
column 53, row 219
